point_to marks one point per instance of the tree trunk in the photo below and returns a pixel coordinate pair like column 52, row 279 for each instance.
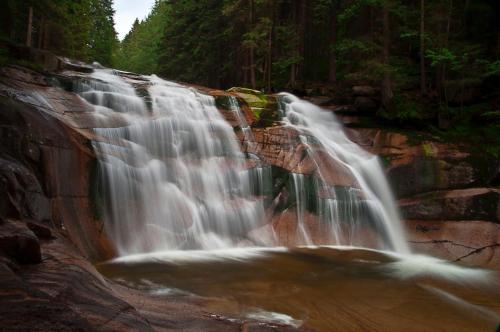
column 302, row 38
column 332, row 76
column 252, row 56
column 293, row 67
column 270, row 47
column 445, row 45
column 30, row 27
column 41, row 31
column 387, row 93
column 423, row 79
column 46, row 35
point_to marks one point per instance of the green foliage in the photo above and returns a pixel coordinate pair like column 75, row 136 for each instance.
column 102, row 35
column 140, row 49
column 493, row 68
column 443, row 56
column 81, row 29
column 407, row 109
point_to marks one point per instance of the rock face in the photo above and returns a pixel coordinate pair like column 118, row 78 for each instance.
column 464, row 204
column 63, row 292
column 19, row 243
column 46, row 165
column 473, row 242
column 444, row 192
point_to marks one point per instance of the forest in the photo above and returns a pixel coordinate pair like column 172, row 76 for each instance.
column 435, row 63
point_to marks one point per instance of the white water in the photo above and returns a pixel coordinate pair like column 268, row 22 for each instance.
column 347, row 211
column 174, row 176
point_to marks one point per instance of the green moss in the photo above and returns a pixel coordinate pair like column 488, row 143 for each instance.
column 254, row 98
column 429, row 150
column 257, row 112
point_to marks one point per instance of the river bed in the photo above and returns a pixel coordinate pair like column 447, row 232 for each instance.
column 322, row 288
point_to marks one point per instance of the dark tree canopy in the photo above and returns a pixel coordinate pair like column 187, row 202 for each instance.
column 81, row 29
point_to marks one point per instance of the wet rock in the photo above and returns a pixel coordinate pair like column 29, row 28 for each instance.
column 19, row 243
column 288, row 230
column 63, row 293
column 26, row 309
column 428, row 174
column 417, row 164
column 32, row 152
column 49, row 170
column 473, row 242
column 41, row 231
column 22, row 193
column 462, row 204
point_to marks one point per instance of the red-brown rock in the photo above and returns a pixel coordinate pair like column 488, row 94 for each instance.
column 464, row 204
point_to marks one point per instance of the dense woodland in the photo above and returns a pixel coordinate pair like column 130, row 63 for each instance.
column 82, row 29
column 435, row 62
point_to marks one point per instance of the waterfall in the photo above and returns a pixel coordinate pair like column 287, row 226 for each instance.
column 345, row 211
column 174, row 176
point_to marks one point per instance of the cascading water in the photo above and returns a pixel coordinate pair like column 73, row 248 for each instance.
column 344, row 210
column 173, row 176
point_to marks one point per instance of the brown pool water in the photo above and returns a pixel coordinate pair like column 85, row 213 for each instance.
column 325, row 289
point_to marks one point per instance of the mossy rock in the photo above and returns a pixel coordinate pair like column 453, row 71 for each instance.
column 254, row 98
column 264, row 107
column 257, row 100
